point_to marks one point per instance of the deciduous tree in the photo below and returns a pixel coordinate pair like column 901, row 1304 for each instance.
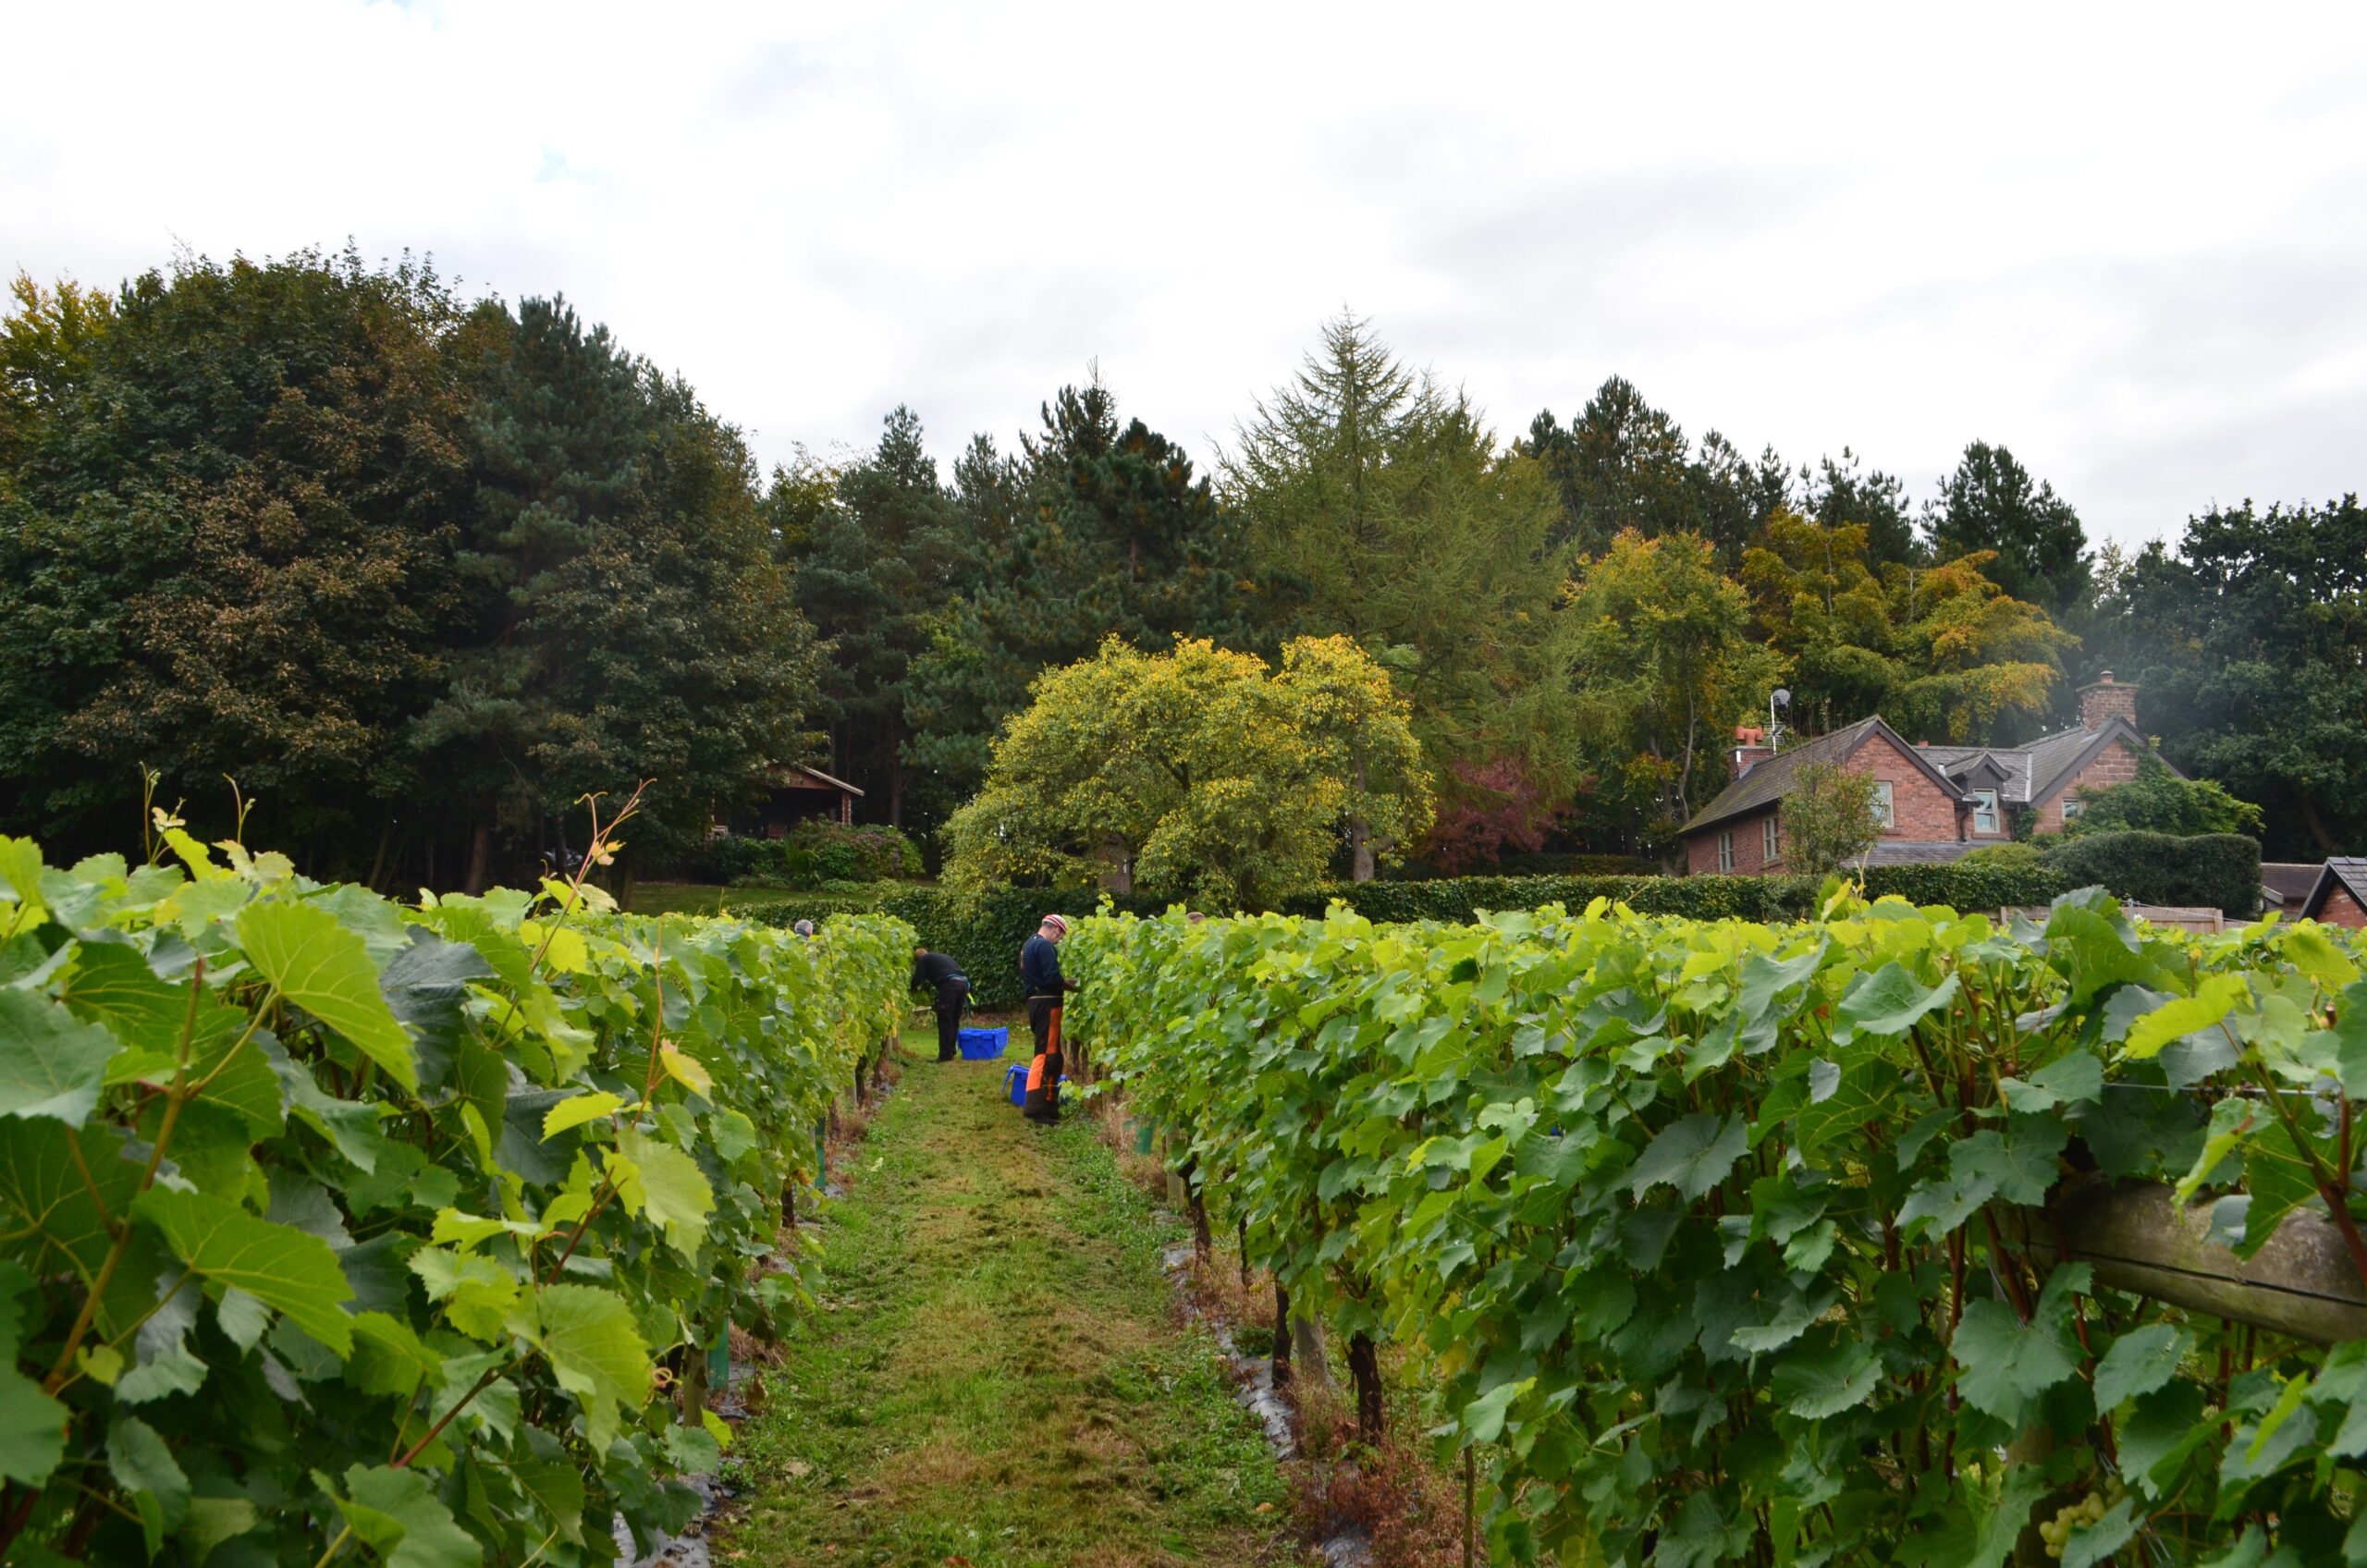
column 1199, row 772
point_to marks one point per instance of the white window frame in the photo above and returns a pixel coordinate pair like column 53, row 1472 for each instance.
column 1771, row 840
column 1984, row 804
column 1885, row 807
column 1725, row 851
column 2073, row 806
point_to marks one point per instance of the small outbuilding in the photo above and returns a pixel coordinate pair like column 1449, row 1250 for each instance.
column 796, row 793
column 2339, row 896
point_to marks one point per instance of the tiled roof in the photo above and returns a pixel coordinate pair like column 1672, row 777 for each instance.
column 2294, row 879
column 1909, row 851
column 2034, row 771
column 1766, row 784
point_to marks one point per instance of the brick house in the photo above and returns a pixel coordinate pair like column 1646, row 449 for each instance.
column 1935, row 803
column 2340, row 896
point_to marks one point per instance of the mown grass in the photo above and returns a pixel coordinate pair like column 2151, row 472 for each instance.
column 998, row 1376
column 700, row 898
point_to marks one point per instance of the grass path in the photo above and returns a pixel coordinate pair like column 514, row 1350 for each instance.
column 998, row 1376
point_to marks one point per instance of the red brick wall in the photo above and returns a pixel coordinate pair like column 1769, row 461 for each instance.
column 2116, row 763
column 1921, row 810
column 2341, row 909
column 1701, row 850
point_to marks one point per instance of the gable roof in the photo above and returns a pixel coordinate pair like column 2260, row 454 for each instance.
column 1767, row 784
column 2294, row 879
column 2348, row 872
column 797, row 776
column 2066, row 759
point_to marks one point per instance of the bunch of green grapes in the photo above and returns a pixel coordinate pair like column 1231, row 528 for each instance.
column 2088, row 1510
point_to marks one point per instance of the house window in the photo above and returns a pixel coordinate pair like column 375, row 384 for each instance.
column 1725, row 851
column 1984, row 810
column 2073, row 807
column 1885, row 817
column 1768, row 841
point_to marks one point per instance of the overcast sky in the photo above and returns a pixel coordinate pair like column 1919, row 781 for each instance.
column 2128, row 242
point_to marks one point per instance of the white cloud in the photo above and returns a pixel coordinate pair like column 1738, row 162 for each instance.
column 2126, row 242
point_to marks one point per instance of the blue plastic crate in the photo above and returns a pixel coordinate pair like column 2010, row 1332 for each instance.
column 1015, row 1079
column 982, row 1045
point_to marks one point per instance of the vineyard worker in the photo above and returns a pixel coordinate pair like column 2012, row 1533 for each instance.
column 939, row 974
column 1040, row 977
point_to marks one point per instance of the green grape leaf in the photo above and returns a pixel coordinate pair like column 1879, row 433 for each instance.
column 2279, row 1181
column 1822, row 1379
column 32, row 1429
column 1483, row 1418
column 322, row 967
column 559, row 1490
column 2071, row 1080
column 2007, row 1364
column 388, row 1358
column 2212, row 1002
column 143, row 1464
column 397, row 1515
column 595, row 1350
column 52, row 1064
column 476, row 1293
column 1891, row 1001
column 666, row 1185
column 278, row 1265
column 577, row 1110
column 2139, row 1362
column 1692, row 1155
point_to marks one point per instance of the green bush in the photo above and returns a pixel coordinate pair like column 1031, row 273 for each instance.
column 2019, row 854
column 2218, row 869
column 843, row 853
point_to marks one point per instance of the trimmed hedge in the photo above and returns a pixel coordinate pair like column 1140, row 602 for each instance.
column 985, row 932
column 1964, row 886
column 2218, row 869
column 1457, row 898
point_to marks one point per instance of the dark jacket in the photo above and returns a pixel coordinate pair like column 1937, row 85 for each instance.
column 1039, row 968
column 932, row 970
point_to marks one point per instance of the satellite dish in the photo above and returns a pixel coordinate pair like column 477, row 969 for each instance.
column 1782, row 697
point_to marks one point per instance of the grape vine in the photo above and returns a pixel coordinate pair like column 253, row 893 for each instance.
column 1725, row 1242
column 337, row 1230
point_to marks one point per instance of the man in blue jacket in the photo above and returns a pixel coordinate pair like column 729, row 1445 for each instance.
column 1040, row 978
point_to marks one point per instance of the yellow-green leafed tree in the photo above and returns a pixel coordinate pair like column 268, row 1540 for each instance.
column 1198, row 772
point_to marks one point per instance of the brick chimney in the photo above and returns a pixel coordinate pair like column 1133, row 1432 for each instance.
column 2106, row 698
column 1749, row 748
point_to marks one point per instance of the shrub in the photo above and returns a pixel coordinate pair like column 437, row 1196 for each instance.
column 872, row 852
column 2160, row 801
column 2020, row 855
column 2218, row 869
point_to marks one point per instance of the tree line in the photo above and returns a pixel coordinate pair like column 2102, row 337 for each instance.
column 417, row 572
